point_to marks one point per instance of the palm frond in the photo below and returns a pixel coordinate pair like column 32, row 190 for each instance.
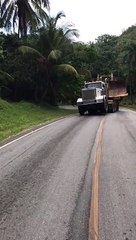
column 4, row 5
column 54, row 56
column 36, row 16
column 28, row 50
column 5, row 77
column 30, row 14
column 42, row 3
column 58, row 16
column 32, row 18
column 66, row 69
column 7, row 15
column 15, row 16
column 72, row 32
column 40, row 14
column 46, row 4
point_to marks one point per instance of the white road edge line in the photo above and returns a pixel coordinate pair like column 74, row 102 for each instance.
column 27, row 134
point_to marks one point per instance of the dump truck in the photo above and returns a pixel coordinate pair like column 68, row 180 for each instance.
column 101, row 95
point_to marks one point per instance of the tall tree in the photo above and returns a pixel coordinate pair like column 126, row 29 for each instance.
column 127, row 58
column 54, row 37
column 5, row 78
column 52, row 42
column 84, row 58
column 24, row 14
column 106, row 49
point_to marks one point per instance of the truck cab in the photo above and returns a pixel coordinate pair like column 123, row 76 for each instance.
column 94, row 97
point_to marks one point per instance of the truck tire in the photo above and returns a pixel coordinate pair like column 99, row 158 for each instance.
column 81, row 111
column 117, row 107
column 104, row 108
column 114, row 107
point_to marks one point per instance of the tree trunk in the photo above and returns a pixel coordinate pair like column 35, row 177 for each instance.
column 130, row 88
column 53, row 93
column 0, row 92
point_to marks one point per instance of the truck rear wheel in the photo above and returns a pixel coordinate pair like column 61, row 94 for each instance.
column 113, row 108
column 117, row 107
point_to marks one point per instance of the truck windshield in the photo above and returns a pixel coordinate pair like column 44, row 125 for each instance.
column 94, row 85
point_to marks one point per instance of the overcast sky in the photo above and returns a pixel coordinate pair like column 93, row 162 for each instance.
column 96, row 17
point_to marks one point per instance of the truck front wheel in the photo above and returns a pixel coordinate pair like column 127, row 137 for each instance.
column 81, row 111
column 104, row 108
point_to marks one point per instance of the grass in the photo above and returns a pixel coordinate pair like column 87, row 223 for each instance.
column 130, row 106
column 15, row 117
column 127, row 102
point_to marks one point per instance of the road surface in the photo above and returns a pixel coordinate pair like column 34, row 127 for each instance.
column 70, row 177
column 117, row 217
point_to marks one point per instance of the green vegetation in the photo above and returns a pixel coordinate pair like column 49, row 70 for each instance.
column 51, row 64
column 130, row 106
column 128, row 103
column 48, row 66
column 40, row 62
column 15, row 117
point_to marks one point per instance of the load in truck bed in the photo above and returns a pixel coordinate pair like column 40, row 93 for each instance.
column 117, row 89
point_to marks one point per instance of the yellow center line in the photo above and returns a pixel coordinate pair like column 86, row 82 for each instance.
column 94, row 214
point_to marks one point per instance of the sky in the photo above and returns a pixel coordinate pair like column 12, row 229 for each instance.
column 94, row 18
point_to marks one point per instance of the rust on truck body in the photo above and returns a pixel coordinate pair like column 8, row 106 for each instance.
column 117, row 88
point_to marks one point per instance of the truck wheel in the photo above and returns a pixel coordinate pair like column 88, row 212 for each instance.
column 81, row 111
column 117, row 109
column 114, row 107
column 104, row 107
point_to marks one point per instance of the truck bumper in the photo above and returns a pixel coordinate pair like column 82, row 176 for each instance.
column 91, row 106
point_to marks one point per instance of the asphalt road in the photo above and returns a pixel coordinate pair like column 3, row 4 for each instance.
column 46, row 180
column 117, row 198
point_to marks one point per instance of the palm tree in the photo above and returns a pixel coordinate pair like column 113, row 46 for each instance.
column 54, row 37
column 50, row 68
column 24, row 14
column 52, row 43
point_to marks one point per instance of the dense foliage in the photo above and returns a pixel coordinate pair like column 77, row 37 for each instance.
column 22, row 15
column 50, row 66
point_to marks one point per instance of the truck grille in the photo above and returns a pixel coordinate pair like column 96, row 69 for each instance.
column 88, row 94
